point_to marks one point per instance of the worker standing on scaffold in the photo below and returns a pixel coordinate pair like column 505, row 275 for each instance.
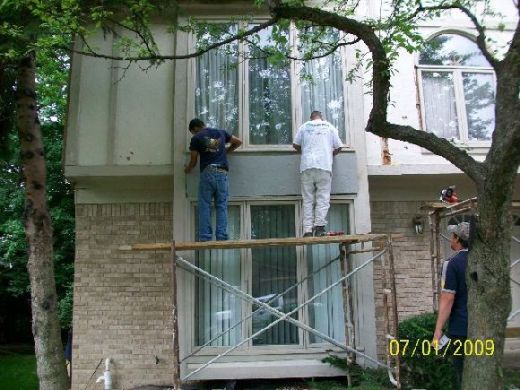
column 210, row 144
column 318, row 142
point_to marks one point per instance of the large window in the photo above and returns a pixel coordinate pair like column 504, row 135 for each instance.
column 266, row 273
column 457, row 89
column 239, row 90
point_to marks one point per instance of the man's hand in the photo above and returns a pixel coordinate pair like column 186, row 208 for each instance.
column 437, row 336
column 193, row 161
column 233, row 144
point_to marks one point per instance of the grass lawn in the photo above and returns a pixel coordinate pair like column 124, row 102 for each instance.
column 17, row 369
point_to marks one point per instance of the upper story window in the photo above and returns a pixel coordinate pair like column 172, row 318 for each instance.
column 457, row 89
column 239, row 90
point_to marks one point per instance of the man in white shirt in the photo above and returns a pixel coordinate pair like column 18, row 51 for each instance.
column 318, row 141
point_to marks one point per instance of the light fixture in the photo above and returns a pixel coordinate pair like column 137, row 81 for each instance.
column 418, row 223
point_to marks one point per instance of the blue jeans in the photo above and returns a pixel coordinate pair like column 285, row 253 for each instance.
column 213, row 185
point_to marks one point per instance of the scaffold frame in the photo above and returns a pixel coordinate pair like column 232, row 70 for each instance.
column 384, row 253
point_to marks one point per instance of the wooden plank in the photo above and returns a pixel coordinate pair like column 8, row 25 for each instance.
column 269, row 242
column 512, row 332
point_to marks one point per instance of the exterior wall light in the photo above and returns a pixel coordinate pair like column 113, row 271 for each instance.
column 418, row 223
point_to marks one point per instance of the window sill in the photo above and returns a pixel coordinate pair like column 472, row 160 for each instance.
column 473, row 149
column 284, row 149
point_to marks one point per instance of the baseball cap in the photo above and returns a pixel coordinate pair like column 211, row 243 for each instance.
column 461, row 230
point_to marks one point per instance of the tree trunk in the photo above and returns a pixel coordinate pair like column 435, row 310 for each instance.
column 488, row 278
column 50, row 360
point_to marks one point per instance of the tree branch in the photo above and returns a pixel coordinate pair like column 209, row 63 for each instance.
column 377, row 122
column 439, row 146
column 159, row 57
column 481, row 37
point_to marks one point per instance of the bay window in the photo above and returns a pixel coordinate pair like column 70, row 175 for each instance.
column 237, row 89
column 266, row 273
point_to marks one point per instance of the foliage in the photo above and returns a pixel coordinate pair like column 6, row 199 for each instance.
column 52, row 92
column 366, row 379
column 429, row 372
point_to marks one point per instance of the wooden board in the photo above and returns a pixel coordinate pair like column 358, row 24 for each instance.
column 512, row 332
column 269, row 242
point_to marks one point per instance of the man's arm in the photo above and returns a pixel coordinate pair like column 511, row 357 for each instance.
column 234, row 143
column 194, row 155
column 336, row 141
column 445, row 305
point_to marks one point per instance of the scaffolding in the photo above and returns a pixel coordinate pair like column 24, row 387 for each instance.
column 437, row 212
column 382, row 246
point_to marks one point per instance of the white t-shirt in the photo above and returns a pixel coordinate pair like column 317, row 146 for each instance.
column 318, row 139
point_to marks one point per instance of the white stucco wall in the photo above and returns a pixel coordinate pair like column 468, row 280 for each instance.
column 405, row 103
column 121, row 115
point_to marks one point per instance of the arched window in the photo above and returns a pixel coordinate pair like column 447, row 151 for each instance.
column 457, row 87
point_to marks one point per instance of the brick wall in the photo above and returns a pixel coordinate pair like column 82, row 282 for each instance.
column 122, row 300
column 412, row 263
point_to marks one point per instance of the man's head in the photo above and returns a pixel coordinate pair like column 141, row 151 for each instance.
column 459, row 235
column 196, row 125
column 316, row 115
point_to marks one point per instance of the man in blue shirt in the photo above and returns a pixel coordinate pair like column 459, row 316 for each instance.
column 210, row 144
column 454, row 296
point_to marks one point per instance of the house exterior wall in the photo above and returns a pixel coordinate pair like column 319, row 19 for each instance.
column 122, row 300
column 412, row 263
column 125, row 151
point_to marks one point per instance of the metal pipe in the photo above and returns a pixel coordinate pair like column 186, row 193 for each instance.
column 289, row 289
column 282, row 316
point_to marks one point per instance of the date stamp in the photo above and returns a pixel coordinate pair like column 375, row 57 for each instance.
column 425, row 347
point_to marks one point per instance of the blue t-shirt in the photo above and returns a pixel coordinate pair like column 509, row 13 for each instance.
column 454, row 282
column 211, row 145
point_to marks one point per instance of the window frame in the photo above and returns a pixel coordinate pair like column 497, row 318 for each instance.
column 458, row 87
column 304, row 340
column 243, row 91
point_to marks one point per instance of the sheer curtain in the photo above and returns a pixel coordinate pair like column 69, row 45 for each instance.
column 273, row 271
column 216, row 309
column 326, row 312
column 439, row 104
column 479, row 95
column 323, row 91
column 270, row 119
column 216, row 92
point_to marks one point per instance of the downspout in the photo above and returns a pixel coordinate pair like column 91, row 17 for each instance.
column 106, row 378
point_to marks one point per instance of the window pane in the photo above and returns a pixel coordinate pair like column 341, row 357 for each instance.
column 216, row 92
column 326, row 312
column 322, row 86
column 216, row 309
column 439, row 104
column 274, row 270
column 452, row 49
column 270, row 119
column 479, row 94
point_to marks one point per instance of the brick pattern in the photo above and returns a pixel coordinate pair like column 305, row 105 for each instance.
column 412, row 263
column 122, row 300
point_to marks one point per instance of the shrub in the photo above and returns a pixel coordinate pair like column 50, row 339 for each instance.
column 423, row 371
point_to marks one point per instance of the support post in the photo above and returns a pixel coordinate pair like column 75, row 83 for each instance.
column 350, row 327
column 394, row 307
column 437, row 256
column 175, row 317
column 431, row 217
column 347, row 308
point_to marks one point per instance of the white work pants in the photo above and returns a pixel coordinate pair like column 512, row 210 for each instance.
column 315, row 186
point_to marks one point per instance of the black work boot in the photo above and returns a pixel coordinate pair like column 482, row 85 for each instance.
column 319, row 231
